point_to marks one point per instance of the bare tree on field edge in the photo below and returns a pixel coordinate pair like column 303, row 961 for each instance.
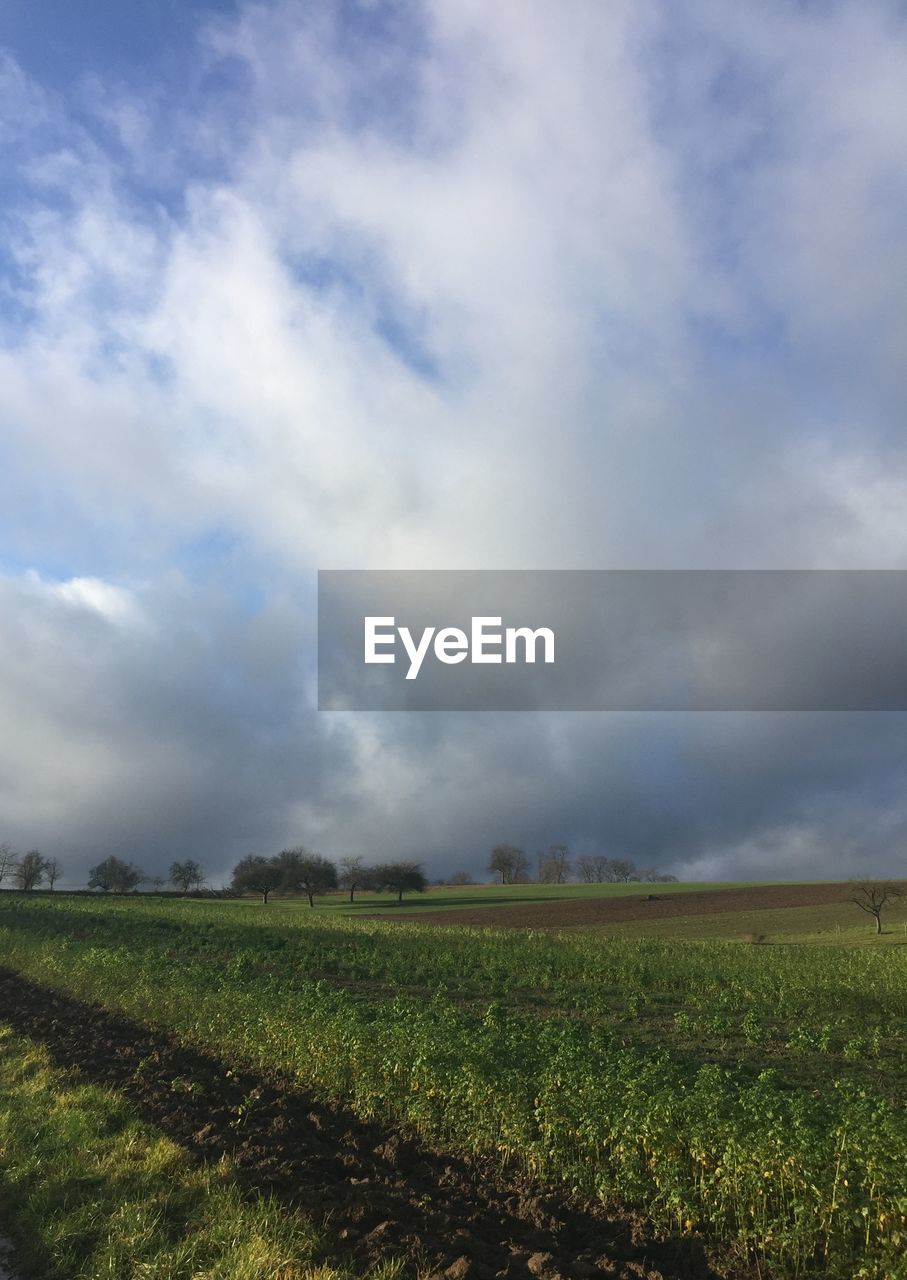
column 401, row 877
column 113, row 875
column 186, row 875
column 509, row 862
column 554, row 865
column 29, row 870
column 7, row 861
column 872, row 896
column 353, row 875
column 261, row 875
column 308, row 872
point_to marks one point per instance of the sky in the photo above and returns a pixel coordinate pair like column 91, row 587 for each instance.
column 293, row 286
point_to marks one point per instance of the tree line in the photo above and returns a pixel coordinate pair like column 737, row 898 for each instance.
column 30, row 870
column 113, row 875
column 294, row 870
column 297, row 870
column 555, row 865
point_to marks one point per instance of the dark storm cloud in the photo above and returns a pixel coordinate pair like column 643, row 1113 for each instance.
column 169, row 723
column 157, row 724
column 712, row 795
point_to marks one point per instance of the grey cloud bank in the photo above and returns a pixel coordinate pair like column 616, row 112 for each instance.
column 507, row 286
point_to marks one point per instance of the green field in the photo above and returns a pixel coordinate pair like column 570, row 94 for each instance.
column 837, row 924
column 753, row 1095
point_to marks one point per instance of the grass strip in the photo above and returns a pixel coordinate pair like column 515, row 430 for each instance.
column 89, row 1192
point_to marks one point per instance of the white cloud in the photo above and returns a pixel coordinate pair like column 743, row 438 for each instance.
column 542, row 235
column 114, row 604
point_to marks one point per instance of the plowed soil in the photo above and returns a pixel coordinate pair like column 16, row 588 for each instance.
column 380, row 1193
column 583, row 912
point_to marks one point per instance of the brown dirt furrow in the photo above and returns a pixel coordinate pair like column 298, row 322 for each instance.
column 380, row 1193
column 583, row 912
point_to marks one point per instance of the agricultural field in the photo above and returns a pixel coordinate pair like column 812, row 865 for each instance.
column 480, row 896
column 236, row 1090
column 658, row 909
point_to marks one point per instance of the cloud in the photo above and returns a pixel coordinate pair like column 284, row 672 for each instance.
column 438, row 285
column 114, row 604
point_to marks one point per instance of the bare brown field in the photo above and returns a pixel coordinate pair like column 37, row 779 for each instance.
column 586, row 912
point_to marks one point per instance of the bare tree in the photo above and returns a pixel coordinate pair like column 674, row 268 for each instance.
column 621, row 871
column 509, row 862
column 115, row 876
column 593, row 868
column 353, row 875
column 460, row 878
column 402, row 877
column 650, row 875
column 872, row 895
column 596, row 869
column 29, row 871
column 262, row 875
column 309, row 872
column 186, row 875
column 522, row 873
column 554, row 865
column 7, row 861
column 52, row 871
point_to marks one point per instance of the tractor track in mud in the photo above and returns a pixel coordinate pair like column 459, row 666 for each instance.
column 381, row 1193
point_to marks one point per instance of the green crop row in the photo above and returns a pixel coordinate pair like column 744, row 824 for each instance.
column 575, row 973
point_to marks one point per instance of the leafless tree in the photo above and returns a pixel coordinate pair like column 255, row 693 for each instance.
column 30, row 870
column 460, row 878
column 186, row 875
column 509, row 862
column 872, row 895
column 308, row 872
column 592, row 868
column 585, row 869
column 114, row 876
column 52, row 871
column 7, row 861
column 262, row 875
column 401, row 877
column 554, row 865
column 353, row 874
